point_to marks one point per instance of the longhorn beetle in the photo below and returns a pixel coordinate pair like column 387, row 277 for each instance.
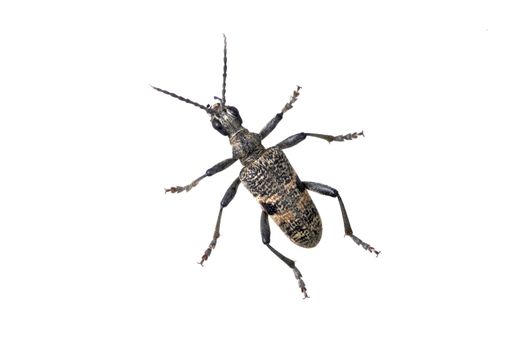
column 269, row 177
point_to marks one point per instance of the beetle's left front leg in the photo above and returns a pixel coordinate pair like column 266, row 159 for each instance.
column 211, row 171
column 295, row 139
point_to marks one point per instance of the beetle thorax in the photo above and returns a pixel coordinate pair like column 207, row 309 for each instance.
column 246, row 146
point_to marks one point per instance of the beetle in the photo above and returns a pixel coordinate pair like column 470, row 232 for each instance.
column 269, row 177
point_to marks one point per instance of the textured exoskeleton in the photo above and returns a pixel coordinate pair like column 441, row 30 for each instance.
column 270, row 178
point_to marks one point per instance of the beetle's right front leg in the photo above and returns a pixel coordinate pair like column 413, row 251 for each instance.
column 211, row 171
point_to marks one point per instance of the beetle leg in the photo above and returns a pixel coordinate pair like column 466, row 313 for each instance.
column 268, row 128
column 265, row 234
column 228, row 196
column 211, row 171
column 332, row 192
column 295, row 139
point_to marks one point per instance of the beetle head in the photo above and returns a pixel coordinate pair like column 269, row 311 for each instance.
column 225, row 120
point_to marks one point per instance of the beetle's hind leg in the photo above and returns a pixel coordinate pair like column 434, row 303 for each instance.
column 265, row 234
column 228, row 196
column 332, row 192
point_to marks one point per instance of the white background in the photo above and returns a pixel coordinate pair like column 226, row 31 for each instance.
column 94, row 255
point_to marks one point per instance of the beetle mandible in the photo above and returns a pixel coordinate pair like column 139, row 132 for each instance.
column 269, row 177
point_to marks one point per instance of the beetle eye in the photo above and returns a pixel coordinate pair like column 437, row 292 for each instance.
column 218, row 126
column 234, row 110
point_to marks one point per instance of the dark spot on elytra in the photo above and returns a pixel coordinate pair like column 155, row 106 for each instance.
column 269, row 208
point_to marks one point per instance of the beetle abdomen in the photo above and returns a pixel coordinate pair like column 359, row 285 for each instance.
column 274, row 183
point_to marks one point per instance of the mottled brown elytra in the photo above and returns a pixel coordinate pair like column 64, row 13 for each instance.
column 270, row 178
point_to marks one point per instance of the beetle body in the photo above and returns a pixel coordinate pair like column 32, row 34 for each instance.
column 270, row 178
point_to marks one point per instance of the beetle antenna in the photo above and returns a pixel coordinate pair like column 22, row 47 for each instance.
column 184, row 99
column 224, row 69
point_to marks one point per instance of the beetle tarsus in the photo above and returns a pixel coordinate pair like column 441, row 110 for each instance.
column 174, row 189
column 205, row 257
column 208, row 251
column 178, row 189
column 293, row 98
column 352, row 135
column 300, row 281
column 365, row 245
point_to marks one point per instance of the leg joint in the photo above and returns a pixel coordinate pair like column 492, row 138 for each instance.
column 322, row 189
column 230, row 193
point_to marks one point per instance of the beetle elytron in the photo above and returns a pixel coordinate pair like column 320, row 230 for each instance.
column 269, row 177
